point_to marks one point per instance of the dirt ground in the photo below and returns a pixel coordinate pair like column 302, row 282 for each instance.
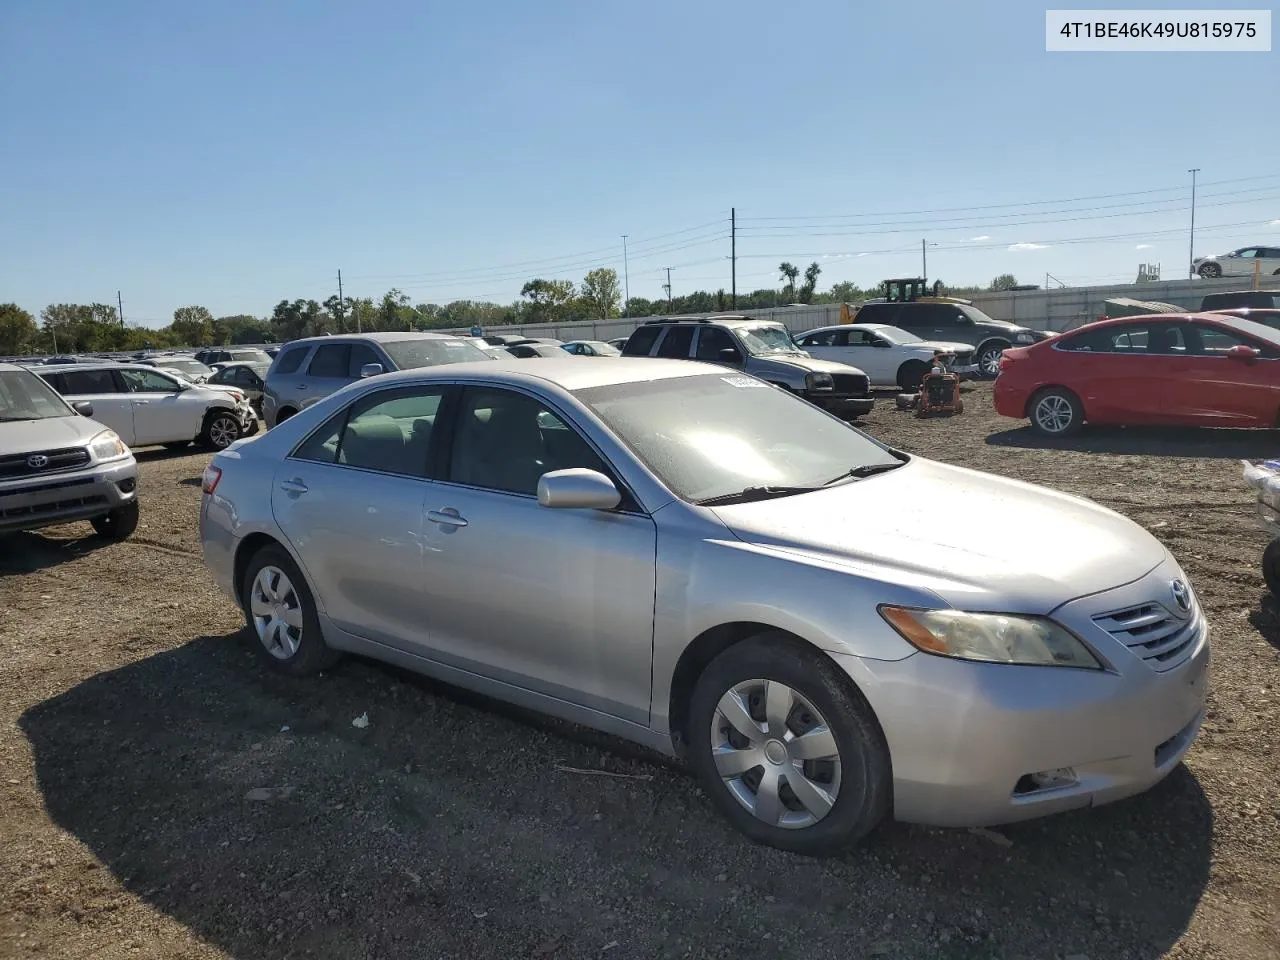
column 161, row 795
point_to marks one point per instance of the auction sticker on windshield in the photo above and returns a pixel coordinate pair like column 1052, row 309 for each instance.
column 744, row 382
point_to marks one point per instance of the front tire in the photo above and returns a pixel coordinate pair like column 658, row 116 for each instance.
column 119, row 524
column 281, row 614
column 221, row 429
column 988, row 359
column 910, row 374
column 1056, row 412
column 1210, row 271
column 787, row 748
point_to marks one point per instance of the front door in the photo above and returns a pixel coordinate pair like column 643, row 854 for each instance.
column 551, row 600
column 712, row 344
column 1216, row 390
column 161, row 414
column 350, row 500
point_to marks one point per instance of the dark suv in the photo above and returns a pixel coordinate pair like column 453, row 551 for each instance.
column 762, row 348
column 955, row 323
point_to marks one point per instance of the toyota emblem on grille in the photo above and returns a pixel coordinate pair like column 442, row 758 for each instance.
column 1181, row 595
column 37, row 461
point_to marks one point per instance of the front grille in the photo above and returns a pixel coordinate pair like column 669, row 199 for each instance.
column 852, row 384
column 50, row 509
column 18, row 464
column 41, row 487
column 1153, row 633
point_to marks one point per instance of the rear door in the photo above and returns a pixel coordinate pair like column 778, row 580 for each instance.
column 1113, row 373
column 110, row 398
column 678, row 342
column 350, row 500
column 1216, row 390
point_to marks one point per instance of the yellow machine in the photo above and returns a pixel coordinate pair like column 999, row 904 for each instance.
column 904, row 290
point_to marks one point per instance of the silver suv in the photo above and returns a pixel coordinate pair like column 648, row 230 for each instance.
column 57, row 465
column 308, row 370
column 762, row 348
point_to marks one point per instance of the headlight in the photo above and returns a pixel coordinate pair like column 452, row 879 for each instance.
column 1026, row 338
column 107, row 445
column 819, row 381
column 990, row 637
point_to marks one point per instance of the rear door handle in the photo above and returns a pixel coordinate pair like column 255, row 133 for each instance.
column 293, row 486
column 301, row 386
column 447, row 517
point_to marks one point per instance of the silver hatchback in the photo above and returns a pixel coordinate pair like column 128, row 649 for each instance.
column 687, row 557
column 305, row 371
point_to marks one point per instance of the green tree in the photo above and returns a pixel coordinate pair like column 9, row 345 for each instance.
column 602, row 293
column 18, row 330
column 1006, row 281
column 789, row 273
column 339, row 310
column 547, row 299
column 193, row 326
column 287, row 320
column 811, row 274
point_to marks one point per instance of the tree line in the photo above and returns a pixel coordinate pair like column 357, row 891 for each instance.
column 96, row 327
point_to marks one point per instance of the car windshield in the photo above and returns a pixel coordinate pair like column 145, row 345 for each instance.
column 407, row 354
column 715, row 435
column 24, row 396
column 603, row 349
column 897, row 335
column 974, row 314
column 770, row 338
column 185, row 366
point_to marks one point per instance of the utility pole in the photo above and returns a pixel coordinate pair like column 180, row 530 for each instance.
column 119, row 308
column 1191, row 268
column 342, row 306
column 733, row 257
column 626, row 279
column 667, row 287
column 924, row 260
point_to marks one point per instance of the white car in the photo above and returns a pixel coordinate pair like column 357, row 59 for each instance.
column 188, row 368
column 148, row 406
column 890, row 356
column 1239, row 263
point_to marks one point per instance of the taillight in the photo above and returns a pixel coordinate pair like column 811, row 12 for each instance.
column 209, row 482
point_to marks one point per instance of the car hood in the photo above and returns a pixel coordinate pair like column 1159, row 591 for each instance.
column 28, row 436
column 942, row 345
column 804, row 363
column 977, row 541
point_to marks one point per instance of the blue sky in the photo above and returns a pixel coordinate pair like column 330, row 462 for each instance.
column 237, row 153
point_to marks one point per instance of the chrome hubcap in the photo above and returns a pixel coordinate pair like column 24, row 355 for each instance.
column 223, row 432
column 277, row 612
column 775, row 753
column 989, row 362
column 1053, row 414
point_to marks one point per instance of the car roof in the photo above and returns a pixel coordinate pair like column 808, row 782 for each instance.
column 847, row 326
column 569, row 372
column 724, row 319
column 9, row 367
column 377, row 337
column 102, row 365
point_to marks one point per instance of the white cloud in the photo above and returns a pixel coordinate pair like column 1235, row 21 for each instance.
column 1143, row 246
column 1028, row 246
column 976, row 239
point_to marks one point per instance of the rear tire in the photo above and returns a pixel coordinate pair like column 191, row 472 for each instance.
column 119, row 524
column 221, row 429
column 284, row 414
column 842, row 783
column 1056, row 412
column 910, row 374
column 988, row 359
column 275, row 588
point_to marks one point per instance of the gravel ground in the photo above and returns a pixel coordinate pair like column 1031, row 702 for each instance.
column 164, row 796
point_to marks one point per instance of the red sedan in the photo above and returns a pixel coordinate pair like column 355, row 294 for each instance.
column 1197, row 370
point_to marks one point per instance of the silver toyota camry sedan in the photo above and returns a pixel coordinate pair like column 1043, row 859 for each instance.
column 698, row 561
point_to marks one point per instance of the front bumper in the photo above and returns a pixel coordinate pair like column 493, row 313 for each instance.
column 848, row 407
column 964, row 370
column 57, row 498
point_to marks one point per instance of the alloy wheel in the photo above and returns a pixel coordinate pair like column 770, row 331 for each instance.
column 775, row 753
column 989, row 362
column 1054, row 413
column 277, row 612
column 223, row 432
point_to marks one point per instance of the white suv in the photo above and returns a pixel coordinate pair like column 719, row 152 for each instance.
column 147, row 406
column 1239, row 263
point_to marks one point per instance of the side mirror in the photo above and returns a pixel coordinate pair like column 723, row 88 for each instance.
column 730, row 355
column 83, row 407
column 370, row 370
column 963, row 320
column 1243, row 353
column 880, row 343
column 577, row 489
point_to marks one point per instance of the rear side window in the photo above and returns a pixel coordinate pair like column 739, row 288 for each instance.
column 641, row 341
column 331, row 360
column 55, row 380
column 361, row 353
column 676, row 343
column 882, row 313
column 292, row 360
column 90, row 381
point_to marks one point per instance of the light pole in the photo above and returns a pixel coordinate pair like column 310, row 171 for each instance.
column 1191, row 259
column 924, row 259
column 626, row 278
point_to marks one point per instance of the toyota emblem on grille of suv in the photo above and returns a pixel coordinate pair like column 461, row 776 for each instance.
column 1181, row 595
column 37, row 461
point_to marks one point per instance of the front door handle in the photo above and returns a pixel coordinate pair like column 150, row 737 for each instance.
column 301, row 386
column 448, row 517
column 141, row 402
column 293, row 486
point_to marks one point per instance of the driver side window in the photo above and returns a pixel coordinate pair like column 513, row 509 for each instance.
column 149, row 381
column 711, row 340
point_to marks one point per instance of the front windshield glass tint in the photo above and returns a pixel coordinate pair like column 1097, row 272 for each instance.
column 408, row 354
column 24, row 396
column 711, row 435
column 766, row 339
column 974, row 314
column 188, row 367
column 896, row 335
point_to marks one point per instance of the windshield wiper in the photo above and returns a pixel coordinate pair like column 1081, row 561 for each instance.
column 866, row 470
column 751, row 494
column 4, row 419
